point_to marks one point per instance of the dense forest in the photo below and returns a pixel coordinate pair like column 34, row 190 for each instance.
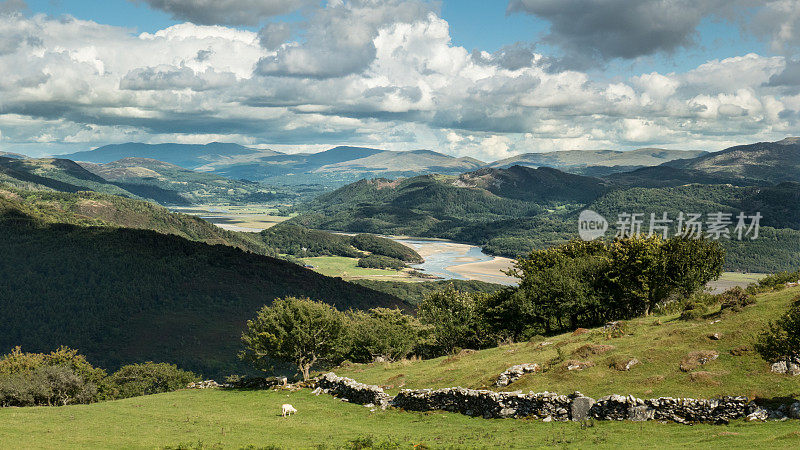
column 121, row 295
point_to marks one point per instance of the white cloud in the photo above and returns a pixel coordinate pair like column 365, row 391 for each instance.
column 399, row 83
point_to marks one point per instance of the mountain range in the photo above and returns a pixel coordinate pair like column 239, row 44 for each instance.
column 342, row 165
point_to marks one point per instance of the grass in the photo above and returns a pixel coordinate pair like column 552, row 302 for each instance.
column 731, row 279
column 658, row 342
column 236, row 419
column 347, row 268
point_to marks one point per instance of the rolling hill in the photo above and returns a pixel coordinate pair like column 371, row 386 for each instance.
column 597, row 162
column 763, row 163
column 342, row 165
column 194, row 187
column 189, row 156
column 124, row 295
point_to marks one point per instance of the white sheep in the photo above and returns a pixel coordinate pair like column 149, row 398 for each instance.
column 287, row 410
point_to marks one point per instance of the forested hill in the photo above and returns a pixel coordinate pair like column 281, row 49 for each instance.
column 96, row 209
column 121, row 295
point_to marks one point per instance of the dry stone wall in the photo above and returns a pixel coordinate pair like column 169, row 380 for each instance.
column 554, row 407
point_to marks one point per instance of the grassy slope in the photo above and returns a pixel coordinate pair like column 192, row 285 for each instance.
column 233, row 419
column 659, row 347
column 347, row 268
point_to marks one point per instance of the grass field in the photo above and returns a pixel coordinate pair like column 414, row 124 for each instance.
column 236, row 419
column 347, row 268
column 660, row 343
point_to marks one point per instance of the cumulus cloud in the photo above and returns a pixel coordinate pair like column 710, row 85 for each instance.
column 339, row 38
column 593, row 31
column 789, row 76
column 404, row 85
column 12, row 6
column 225, row 12
column 779, row 22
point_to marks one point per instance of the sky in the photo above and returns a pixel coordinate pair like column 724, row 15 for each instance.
column 487, row 79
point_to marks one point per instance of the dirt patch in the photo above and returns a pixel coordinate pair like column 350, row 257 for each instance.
column 587, row 350
column 696, row 359
column 577, row 365
column 703, row 377
column 622, row 363
column 740, row 351
column 580, row 331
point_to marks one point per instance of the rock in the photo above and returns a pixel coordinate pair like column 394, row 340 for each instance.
column 714, row 336
column 579, row 408
column 787, row 367
column 641, row 413
column 514, row 373
column 578, row 365
column 697, row 358
column 207, row 384
column 547, row 419
column 794, row 410
column 378, row 360
column 580, row 331
column 758, row 415
column 623, row 364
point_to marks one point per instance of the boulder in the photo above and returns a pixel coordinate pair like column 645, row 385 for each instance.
column 580, row 407
column 787, row 367
column 514, row 373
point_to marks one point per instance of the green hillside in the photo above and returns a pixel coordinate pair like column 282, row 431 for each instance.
column 193, row 187
column 95, row 209
column 125, row 295
column 660, row 343
column 760, row 163
column 251, row 419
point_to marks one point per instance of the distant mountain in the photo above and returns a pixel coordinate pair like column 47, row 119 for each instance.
column 12, row 155
column 597, row 162
column 760, row 163
column 665, row 176
column 188, row 156
column 121, row 295
column 193, row 187
column 342, row 165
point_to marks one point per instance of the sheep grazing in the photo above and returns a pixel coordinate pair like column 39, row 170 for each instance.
column 287, row 410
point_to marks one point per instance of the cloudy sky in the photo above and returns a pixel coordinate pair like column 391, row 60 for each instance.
column 481, row 78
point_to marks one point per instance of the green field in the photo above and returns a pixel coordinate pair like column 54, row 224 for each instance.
column 235, row 419
column 347, row 268
column 659, row 342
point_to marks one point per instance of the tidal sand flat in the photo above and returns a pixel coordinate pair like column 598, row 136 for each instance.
column 489, row 271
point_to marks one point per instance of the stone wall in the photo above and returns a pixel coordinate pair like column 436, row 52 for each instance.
column 554, row 407
column 549, row 406
column 352, row 391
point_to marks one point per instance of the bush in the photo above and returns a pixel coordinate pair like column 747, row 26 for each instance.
column 381, row 262
column 693, row 311
column 781, row 342
column 736, row 298
column 776, row 281
column 46, row 386
column 455, row 319
column 149, row 378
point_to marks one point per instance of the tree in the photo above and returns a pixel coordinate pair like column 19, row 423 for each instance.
column 296, row 330
column 782, row 341
column 454, row 317
column 385, row 333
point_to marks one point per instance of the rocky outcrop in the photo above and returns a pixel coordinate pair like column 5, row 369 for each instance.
column 787, row 367
column 207, row 384
column 514, row 373
column 352, row 391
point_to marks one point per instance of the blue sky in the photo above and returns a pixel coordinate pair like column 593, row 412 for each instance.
column 472, row 78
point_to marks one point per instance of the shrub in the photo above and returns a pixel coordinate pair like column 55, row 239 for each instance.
column 455, row 319
column 736, row 298
column 693, row 311
column 46, row 386
column 781, row 342
column 149, row 378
